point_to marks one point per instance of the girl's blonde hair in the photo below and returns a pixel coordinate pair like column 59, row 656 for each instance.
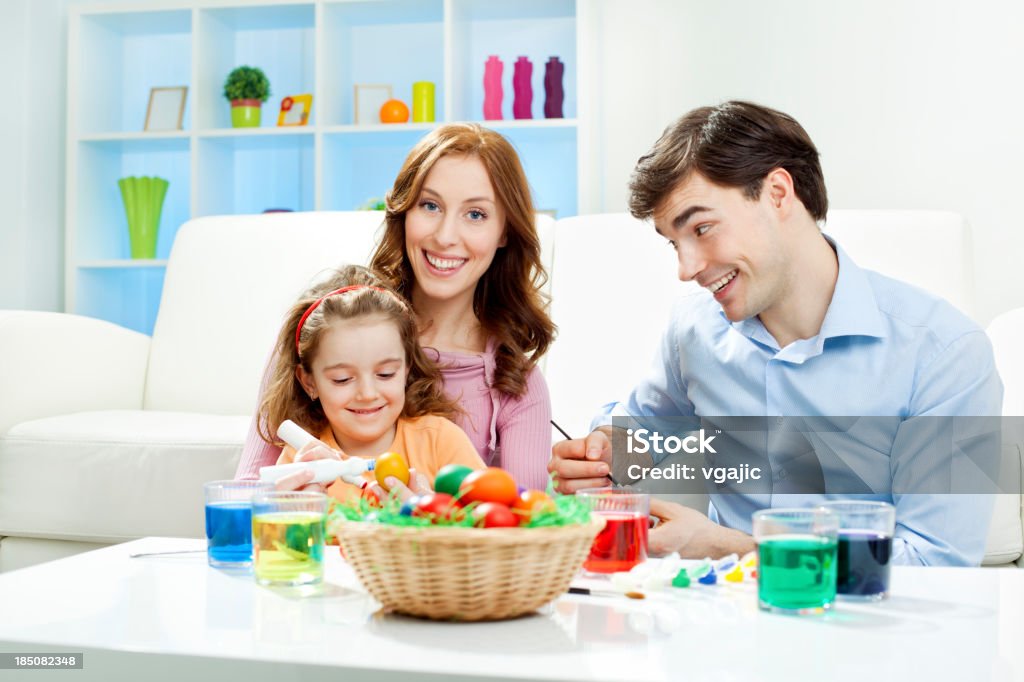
column 285, row 398
column 508, row 300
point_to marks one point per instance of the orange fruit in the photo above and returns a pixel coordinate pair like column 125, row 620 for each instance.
column 394, row 111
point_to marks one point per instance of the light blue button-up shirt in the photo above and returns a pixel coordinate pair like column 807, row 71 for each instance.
column 885, row 349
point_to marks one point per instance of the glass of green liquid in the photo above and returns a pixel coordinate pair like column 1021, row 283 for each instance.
column 797, row 560
column 288, row 537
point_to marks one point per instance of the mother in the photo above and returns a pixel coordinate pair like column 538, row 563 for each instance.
column 460, row 243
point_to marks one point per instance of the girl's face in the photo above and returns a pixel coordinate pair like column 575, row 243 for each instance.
column 453, row 231
column 359, row 375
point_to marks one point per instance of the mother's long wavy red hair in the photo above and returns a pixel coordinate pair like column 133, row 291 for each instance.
column 507, row 301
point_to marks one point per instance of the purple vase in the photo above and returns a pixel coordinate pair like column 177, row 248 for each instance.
column 553, row 92
column 492, row 89
column 522, row 105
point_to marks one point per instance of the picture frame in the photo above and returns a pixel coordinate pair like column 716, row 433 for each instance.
column 367, row 101
column 295, row 110
column 166, row 108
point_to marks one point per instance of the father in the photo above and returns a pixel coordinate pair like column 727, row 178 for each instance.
column 790, row 326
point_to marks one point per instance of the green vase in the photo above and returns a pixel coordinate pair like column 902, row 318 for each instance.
column 143, row 202
column 245, row 113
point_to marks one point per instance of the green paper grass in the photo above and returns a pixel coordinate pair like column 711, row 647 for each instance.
column 569, row 510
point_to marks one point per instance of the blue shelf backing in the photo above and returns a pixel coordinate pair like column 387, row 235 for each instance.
column 129, row 297
column 362, row 167
column 122, row 57
column 251, row 174
column 395, row 42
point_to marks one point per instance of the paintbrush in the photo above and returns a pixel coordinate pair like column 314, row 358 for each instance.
column 606, row 593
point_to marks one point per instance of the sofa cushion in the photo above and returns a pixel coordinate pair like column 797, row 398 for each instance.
column 229, row 281
column 114, row 475
column 940, row 241
column 18, row 553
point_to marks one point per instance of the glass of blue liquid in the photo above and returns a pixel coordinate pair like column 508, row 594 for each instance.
column 229, row 521
column 865, row 548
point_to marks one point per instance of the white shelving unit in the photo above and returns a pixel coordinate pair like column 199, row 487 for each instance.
column 118, row 52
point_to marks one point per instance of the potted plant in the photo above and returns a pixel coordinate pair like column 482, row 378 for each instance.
column 247, row 88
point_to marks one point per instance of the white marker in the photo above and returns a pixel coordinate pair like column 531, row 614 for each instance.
column 324, row 470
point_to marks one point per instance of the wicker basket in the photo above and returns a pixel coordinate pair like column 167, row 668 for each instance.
column 453, row 573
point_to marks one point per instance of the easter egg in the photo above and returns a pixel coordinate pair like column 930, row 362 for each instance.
column 489, row 485
column 450, row 477
column 494, row 515
column 409, row 506
column 391, row 464
column 531, row 502
column 394, row 111
column 435, row 506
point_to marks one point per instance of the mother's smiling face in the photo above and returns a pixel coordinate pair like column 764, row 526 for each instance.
column 453, row 231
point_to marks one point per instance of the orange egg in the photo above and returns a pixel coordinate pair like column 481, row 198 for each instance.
column 394, row 111
column 489, row 485
column 531, row 502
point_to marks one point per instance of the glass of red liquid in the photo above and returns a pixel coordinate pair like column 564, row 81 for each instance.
column 622, row 544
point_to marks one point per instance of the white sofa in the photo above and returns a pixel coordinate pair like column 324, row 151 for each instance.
column 107, row 435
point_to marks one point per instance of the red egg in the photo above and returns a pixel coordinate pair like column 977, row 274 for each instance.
column 436, row 506
column 494, row 515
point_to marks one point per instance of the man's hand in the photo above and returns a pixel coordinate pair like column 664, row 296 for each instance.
column 581, row 463
column 676, row 528
column 692, row 534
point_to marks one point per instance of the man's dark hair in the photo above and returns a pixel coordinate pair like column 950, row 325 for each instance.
column 735, row 144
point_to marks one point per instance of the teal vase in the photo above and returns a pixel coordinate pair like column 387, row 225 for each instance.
column 143, row 202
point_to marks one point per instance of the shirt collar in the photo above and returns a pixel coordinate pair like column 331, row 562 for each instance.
column 853, row 310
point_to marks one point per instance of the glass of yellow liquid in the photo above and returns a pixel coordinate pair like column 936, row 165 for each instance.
column 288, row 537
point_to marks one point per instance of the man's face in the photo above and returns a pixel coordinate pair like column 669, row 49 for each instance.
column 730, row 245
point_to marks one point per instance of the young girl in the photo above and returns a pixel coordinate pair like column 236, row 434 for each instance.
column 350, row 371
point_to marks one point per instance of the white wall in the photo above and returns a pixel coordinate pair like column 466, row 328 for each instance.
column 13, row 55
column 33, row 48
column 912, row 103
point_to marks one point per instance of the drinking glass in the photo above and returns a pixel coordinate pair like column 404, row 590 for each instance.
column 229, row 521
column 796, row 548
column 288, row 537
column 865, row 547
column 622, row 543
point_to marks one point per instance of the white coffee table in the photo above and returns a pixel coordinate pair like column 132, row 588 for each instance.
column 175, row 618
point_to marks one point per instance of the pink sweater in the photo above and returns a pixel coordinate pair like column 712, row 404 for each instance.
column 508, row 432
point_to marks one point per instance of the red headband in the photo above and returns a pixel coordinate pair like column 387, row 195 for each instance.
column 317, row 302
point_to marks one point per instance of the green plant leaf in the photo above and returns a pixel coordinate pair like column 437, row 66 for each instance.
column 247, row 82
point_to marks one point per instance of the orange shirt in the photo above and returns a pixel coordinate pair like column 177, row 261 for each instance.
column 427, row 443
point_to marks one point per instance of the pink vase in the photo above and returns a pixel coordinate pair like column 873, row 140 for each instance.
column 522, row 105
column 492, row 89
column 554, row 93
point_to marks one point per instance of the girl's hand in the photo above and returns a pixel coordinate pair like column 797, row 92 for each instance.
column 418, row 485
column 300, row 480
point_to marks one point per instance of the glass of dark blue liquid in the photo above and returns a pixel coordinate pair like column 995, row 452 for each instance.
column 229, row 521
column 865, row 548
